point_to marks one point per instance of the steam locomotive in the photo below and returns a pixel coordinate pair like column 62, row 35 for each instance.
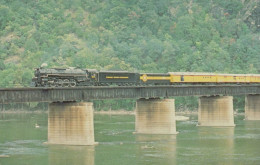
column 72, row 77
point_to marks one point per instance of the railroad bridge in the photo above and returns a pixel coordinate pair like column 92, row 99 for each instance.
column 70, row 119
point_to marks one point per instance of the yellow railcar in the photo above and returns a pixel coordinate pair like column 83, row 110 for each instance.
column 231, row 78
column 197, row 78
column 193, row 77
column 254, row 78
column 155, row 78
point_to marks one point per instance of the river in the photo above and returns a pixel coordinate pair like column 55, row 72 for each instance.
column 21, row 143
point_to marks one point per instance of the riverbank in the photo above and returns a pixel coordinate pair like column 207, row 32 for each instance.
column 179, row 116
column 110, row 112
column 115, row 112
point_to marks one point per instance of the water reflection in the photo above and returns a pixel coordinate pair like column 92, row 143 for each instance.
column 156, row 149
column 251, row 133
column 70, row 155
column 252, row 126
column 219, row 143
column 248, row 141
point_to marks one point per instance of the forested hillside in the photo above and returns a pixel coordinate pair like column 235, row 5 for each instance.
column 140, row 35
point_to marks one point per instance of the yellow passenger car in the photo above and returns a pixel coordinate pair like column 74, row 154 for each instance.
column 192, row 77
column 196, row 77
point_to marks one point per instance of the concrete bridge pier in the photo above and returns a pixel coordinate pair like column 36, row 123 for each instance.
column 71, row 123
column 216, row 111
column 155, row 116
column 252, row 107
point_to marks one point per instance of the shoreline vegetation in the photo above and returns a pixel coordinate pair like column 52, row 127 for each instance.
column 109, row 112
column 179, row 115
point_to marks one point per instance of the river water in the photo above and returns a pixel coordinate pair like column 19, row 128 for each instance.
column 23, row 144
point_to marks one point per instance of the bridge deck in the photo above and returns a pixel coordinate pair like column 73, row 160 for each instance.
column 8, row 95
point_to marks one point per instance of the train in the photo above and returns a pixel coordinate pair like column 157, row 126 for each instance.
column 73, row 77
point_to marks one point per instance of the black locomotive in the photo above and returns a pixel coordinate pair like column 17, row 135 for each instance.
column 71, row 77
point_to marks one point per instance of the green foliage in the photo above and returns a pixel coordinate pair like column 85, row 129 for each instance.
column 106, row 105
column 186, row 103
column 239, row 103
column 2, row 65
column 7, row 78
column 5, row 16
column 27, row 77
column 144, row 35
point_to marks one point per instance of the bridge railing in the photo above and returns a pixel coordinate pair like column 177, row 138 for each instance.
column 9, row 95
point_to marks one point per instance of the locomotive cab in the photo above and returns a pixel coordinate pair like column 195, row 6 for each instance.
column 92, row 76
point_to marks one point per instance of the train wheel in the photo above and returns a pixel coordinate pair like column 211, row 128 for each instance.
column 52, row 85
column 55, row 83
column 73, row 83
column 66, row 83
column 59, row 83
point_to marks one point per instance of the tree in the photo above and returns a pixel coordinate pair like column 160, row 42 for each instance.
column 5, row 16
column 31, row 45
column 2, row 65
column 27, row 76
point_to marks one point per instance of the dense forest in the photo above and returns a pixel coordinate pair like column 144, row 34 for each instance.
column 137, row 35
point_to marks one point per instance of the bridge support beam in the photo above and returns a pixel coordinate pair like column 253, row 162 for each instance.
column 252, row 107
column 216, row 111
column 71, row 123
column 155, row 116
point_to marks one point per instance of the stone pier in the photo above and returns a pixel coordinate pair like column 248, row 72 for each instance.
column 216, row 111
column 252, row 107
column 155, row 116
column 71, row 123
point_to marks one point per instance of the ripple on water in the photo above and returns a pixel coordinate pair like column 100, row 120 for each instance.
column 188, row 122
column 22, row 147
column 248, row 136
column 7, row 120
column 115, row 132
column 119, row 123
